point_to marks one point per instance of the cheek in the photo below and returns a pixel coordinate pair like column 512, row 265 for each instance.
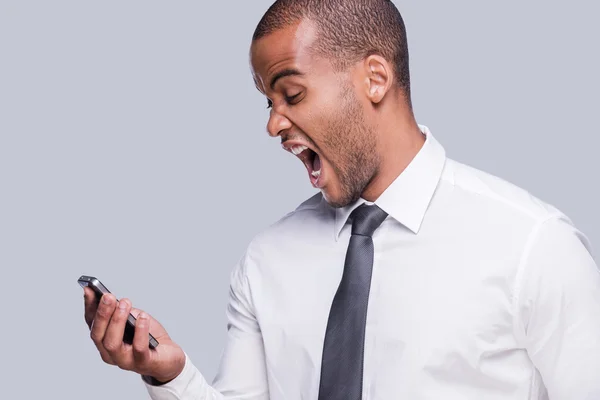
column 323, row 108
column 324, row 122
column 331, row 135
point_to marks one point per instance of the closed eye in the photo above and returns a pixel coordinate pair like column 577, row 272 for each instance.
column 290, row 99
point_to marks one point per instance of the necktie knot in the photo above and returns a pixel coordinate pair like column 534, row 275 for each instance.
column 366, row 219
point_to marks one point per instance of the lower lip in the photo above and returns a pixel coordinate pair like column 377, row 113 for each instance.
column 317, row 182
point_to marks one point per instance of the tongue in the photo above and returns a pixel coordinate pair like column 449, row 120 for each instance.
column 316, row 163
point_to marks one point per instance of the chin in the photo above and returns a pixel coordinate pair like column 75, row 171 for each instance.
column 332, row 200
column 337, row 200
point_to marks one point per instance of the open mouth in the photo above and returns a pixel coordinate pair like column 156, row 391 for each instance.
column 310, row 158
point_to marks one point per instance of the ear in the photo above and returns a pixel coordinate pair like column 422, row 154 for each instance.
column 378, row 77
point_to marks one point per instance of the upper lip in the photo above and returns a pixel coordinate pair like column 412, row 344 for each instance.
column 289, row 144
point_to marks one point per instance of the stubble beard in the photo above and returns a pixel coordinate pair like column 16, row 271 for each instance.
column 353, row 142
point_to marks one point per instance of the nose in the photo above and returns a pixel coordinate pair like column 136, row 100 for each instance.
column 277, row 123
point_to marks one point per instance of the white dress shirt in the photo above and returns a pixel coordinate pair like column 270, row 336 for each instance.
column 480, row 291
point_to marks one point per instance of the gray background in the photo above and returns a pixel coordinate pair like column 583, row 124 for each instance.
column 133, row 147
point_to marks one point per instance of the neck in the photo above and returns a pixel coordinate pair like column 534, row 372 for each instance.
column 399, row 141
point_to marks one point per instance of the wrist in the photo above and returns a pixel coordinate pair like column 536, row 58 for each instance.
column 158, row 380
column 153, row 381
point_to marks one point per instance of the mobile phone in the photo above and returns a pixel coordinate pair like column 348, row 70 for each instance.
column 98, row 288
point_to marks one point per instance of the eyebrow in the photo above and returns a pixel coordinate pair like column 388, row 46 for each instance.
column 283, row 74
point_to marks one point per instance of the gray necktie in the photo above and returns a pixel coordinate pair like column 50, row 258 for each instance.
column 342, row 363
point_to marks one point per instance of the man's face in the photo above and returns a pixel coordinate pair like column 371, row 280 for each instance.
column 318, row 112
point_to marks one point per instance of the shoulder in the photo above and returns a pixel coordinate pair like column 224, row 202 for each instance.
column 309, row 218
column 545, row 240
column 484, row 192
column 312, row 211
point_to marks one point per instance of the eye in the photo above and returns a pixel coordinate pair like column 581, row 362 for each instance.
column 288, row 99
column 291, row 99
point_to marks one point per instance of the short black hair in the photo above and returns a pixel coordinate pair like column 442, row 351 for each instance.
column 348, row 31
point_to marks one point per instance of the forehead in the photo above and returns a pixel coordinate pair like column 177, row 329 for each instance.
column 289, row 47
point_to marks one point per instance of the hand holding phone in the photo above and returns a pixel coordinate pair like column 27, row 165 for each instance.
column 100, row 290
column 133, row 348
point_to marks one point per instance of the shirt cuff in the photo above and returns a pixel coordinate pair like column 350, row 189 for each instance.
column 176, row 388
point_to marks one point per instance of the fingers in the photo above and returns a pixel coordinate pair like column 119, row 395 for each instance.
column 135, row 312
column 141, row 352
column 113, row 339
column 108, row 321
column 100, row 324
column 90, row 305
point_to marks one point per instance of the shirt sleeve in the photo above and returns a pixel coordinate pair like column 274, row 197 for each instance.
column 242, row 372
column 558, row 309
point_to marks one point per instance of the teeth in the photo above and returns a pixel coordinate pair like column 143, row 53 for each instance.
column 316, row 174
column 298, row 149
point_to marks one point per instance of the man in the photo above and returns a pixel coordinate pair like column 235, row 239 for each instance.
column 409, row 276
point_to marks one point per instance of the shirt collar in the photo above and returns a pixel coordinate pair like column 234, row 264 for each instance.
column 408, row 197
